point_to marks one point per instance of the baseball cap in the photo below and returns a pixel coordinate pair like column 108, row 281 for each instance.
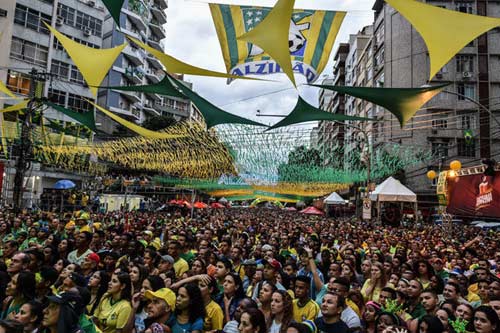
column 249, row 262
column 165, row 294
column 94, row 257
column 167, row 258
column 267, row 247
column 67, row 298
column 273, row 263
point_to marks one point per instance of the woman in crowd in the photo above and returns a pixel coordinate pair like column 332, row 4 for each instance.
column 385, row 320
column 30, row 315
column 20, row 290
column 423, row 272
column 137, row 273
column 446, row 316
column 281, row 312
column 265, row 298
column 214, row 317
column 98, row 285
column 372, row 309
column 372, row 287
column 114, row 310
column 486, row 320
column 252, row 321
column 232, row 295
column 430, row 324
column 189, row 314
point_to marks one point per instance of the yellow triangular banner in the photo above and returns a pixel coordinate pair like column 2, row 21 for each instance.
column 16, row 107
column 136, row 128
column 272, row 35
column 445, row 32
column 94, row 64
column 174, row 65
column 6, row 90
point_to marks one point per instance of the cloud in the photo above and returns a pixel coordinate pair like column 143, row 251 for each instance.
column 191, row 37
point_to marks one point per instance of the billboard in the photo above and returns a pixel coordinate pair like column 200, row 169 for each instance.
column 311, row 37
column 474, row 195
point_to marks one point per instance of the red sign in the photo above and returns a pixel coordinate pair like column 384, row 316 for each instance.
column 474, row 195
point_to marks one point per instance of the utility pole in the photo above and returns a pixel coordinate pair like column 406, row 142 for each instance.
column 25, row 152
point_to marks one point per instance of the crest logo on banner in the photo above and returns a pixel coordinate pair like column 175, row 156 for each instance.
column 310, row 39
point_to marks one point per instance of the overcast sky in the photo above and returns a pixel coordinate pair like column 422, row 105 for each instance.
column 191, row 37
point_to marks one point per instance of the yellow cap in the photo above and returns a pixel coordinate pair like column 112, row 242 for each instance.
column 165, row 294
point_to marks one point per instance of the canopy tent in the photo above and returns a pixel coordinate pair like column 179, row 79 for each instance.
column 334, row 199
column 312, row 211
column 392, row 190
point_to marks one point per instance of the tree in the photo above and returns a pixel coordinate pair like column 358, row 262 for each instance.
column 157, row 123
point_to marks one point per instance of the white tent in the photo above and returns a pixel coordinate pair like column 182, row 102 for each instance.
column 392, row 190
column 334, row 199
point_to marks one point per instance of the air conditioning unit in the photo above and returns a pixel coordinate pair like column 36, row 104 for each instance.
column 91, row 3
column 59, row 20
column 434, row 131
column 466, row 75
column 439, row 75
column 87, row 32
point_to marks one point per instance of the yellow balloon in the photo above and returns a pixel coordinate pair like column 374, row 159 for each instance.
column 431, row 174
column 455, row 165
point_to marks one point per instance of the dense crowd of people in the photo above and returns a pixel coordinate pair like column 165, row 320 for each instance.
column 243, row 270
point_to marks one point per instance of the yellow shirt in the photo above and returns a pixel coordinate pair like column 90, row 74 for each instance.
column 112, row 316
column 307, row 312
column 214, row 320
column 180, row 267
column 375, row 294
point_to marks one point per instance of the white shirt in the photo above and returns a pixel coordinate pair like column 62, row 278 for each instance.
column 74, row 259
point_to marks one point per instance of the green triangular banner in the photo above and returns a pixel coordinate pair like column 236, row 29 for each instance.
column 304, row 112
column 401, row 102
column 212, row 114
column 114, row 7
column 164, row 87
column 86, row 119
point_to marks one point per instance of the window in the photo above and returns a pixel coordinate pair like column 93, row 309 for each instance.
column 466, row 148
column 31, row 19
column 57, row 97
column 29, row 52
column 67, row 13
column 439, row 149
column 18, row 82
column 467, row 121
column 465, row 63
column 76, row 76
column 440, row 123
column 465, row 90
column 80, row 20
column 464, row 7
column 58, row 46
column 77, row 103
column 60, row 69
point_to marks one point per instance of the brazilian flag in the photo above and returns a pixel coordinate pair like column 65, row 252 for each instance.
column 469, row 137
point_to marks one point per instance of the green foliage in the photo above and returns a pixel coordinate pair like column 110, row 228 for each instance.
column 157, row 123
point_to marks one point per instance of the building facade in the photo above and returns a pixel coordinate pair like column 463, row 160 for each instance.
column 391, row 53
column 331, row 134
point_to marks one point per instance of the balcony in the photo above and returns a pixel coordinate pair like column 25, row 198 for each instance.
column 154, row 62
column 132, row 96
column 163, row 4
column 154, row 75
column 157, row 29
column 132, row 32
column 159, row 14
column 148, row 108
column 155, row 97
column 155, row 44
column 133, row 55
column 130, row 114
column 137, row 13
column 134, row 74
